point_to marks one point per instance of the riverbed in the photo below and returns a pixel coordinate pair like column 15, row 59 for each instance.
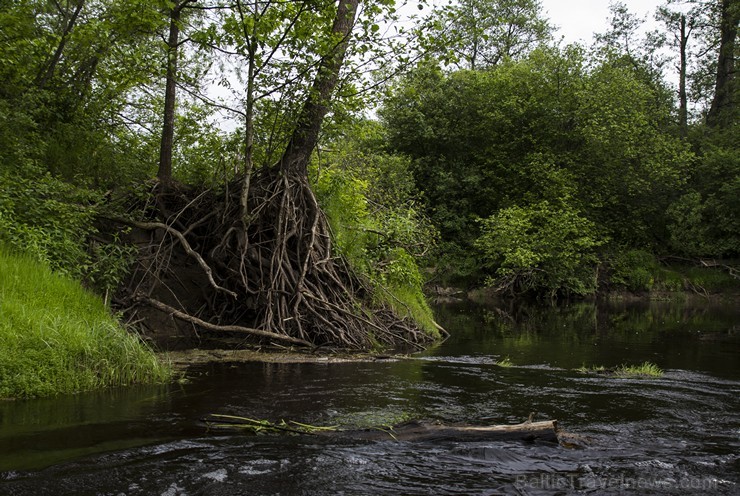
column 674, row 434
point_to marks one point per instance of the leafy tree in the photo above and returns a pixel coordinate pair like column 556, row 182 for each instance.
column 629, row 164
column 548, row 128
column 164, row 172
column 483, row 140
column 543, row 248
column 701, row 218
column 704, row 33
column 77, row 71
column 475, row 34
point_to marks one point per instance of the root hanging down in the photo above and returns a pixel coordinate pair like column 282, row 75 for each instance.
column 264, row 269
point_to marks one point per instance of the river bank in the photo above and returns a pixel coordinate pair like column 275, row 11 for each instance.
column 57, row 338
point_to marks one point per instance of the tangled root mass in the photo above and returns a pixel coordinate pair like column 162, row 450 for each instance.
column 259, row 265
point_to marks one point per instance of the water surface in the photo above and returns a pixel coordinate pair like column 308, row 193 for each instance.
column 677, row 434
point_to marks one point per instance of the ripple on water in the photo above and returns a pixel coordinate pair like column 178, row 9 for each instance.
column 219, row 475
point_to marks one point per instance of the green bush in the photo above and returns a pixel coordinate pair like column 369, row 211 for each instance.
column 47, row 219
column 54, row 222
column 634, row 269
column 381, row 244
column 543, row 248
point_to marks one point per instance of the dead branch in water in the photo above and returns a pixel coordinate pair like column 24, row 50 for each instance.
column 413, row 431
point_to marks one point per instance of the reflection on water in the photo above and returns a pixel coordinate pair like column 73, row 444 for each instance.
column 676, row 434
column 672, row 335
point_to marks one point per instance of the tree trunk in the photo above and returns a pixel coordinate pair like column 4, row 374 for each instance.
column 432, row 432
column 164, row 173
column 306, row 134
column 51, row 66
column 682, row 103
column 251, row 39
column 721, row 109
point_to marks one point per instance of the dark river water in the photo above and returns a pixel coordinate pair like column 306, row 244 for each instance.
column 677, row 434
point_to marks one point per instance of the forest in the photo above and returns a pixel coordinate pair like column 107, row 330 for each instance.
column 297, row 172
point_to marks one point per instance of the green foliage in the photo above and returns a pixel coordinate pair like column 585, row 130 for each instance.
column 550, row 129
column 640, row 271
column 688, row 227
column 382, row 242
column 479, row 33
column 542, row 248
column 54, row 222
column 629, row 164
column 634, row 269
column 57, row 338
column 373, row 245
column 645, row 369
column 711, row 279
column 342, row 199
column 46, row 218
column 505, row 362
column 705, row 220
column 109, row 265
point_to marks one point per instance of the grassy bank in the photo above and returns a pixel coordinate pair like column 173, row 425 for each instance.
column 56, row 337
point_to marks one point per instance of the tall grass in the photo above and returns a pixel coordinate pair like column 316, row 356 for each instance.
column 56, row 337
column 645, row 369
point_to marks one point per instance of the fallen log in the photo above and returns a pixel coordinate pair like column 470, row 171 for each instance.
column 419, row 431
column 412, row 431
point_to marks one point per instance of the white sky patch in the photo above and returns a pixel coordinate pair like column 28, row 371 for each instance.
column 578, row 20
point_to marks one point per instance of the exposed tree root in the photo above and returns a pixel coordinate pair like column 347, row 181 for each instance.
column 263, row 268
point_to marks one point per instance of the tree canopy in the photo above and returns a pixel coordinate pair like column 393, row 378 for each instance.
column 538, row 167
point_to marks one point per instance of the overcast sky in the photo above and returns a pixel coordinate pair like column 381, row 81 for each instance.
column 579, row 19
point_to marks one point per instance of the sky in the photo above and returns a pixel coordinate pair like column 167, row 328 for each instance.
column 579, row 19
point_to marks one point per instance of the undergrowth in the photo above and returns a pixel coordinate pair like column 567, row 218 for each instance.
column 56, row 337
column 640, row 271
column 379, row 244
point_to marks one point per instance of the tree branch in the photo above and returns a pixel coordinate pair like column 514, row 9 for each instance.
column 219, row 328
column 152, row 226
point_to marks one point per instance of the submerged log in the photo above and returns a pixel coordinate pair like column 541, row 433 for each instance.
column 412, row 431
column 419, row 431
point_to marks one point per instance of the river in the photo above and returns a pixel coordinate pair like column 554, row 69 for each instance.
column 676, row 434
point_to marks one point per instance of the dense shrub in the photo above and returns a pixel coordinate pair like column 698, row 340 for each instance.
column 542, row 248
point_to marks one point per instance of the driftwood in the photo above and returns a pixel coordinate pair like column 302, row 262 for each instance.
column 417, row 431
column 412, row 431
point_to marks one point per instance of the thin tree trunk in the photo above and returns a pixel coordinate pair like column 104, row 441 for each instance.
column 164, row 173
column 682, row 101
column 50, row 68
column 306, row 134
column 722, row 102
column 251, row 39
